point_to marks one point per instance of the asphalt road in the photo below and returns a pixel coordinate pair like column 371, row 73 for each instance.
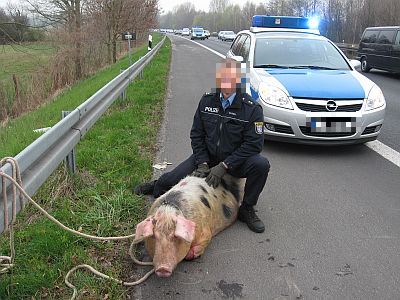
column 332, row 214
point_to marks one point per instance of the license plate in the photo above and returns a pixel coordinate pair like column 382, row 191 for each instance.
column 332, row 124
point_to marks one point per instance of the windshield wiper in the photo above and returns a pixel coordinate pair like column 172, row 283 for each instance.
column 271, row 66
column 312, row 67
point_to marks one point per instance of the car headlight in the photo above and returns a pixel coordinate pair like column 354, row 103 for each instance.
column 375, row 98
column 274, row 96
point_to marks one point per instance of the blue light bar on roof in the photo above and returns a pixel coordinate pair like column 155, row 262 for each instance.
column 281, row 22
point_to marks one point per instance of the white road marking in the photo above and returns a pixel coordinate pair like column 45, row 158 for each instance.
column 385, row 151
column 379, row 147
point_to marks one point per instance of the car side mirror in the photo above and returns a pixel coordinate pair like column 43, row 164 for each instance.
column 238, row 58
column 355, row 64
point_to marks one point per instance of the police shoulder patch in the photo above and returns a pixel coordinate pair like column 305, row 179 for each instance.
column 259, row 127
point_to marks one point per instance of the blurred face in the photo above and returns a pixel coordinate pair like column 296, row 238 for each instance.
column 227, row 77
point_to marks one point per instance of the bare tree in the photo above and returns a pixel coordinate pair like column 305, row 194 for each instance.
column 116, row 16
column 67, row 13
column 249, row 10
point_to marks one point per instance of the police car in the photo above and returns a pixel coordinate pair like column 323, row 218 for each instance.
column 310, row 92
column 198, row 33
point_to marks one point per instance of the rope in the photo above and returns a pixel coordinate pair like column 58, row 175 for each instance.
column 7, row 262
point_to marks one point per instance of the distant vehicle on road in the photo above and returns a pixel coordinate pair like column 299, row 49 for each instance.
column 206, row 34
column 228, row 36
column 309, row 91
column 380, row 48
column 220, row 34
column 214, row 34
column 197, row 33
column 185, row 32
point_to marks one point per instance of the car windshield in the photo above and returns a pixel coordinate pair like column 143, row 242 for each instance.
column 229, row 32
column 297, row 53
column 198, row 30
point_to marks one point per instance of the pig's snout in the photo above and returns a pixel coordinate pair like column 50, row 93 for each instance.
column 164, row 271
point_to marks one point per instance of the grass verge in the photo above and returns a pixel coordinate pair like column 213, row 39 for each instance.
column 116, row 154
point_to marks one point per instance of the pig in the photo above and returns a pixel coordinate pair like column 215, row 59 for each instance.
column 181, row 222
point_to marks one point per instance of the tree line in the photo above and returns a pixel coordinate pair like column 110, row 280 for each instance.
column 78, row 24
column 341, row 20
column 86, row 34
column 94, row 24
column 14, row 26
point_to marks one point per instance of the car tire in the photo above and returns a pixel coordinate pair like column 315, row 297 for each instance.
column 364, row 65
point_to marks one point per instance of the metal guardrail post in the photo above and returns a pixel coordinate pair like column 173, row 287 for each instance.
column 141, row 72
column 70, row 159
column 123, row 94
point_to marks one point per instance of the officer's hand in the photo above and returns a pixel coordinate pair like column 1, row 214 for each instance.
column 201, row 171
column 215, row 176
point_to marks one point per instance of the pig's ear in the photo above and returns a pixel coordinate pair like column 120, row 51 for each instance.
column 184, row 229
column 144, row 229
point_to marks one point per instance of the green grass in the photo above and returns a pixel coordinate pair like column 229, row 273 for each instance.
column 116, row 154
column 23, row 59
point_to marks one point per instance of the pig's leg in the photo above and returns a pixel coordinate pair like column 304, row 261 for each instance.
column 199, row 245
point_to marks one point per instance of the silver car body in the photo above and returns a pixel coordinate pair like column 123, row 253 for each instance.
column 228, row 36
column 186, row 31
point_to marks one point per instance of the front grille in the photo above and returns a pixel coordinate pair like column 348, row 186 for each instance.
column 307, row 131
column 369, row 130
column 283, row 129
column 322, row 108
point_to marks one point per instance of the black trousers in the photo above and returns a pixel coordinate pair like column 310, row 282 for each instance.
column 255, row 169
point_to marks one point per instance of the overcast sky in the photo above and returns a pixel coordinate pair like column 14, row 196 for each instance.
column 166, row 5
column 3, row 3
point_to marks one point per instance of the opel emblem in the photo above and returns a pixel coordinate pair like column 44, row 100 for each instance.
column 331, row 105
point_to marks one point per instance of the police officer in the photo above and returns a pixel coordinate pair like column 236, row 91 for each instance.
column 226, row 137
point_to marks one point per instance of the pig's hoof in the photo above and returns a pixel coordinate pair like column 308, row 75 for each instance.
column 190, row 255
column 194, row 252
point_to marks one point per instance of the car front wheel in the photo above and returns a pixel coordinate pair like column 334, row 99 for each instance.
column 364, row 65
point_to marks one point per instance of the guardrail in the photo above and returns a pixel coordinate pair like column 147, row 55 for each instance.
column 39, row 160
column 350, row 50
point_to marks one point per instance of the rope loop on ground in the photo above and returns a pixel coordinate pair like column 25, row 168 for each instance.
column 7, row 262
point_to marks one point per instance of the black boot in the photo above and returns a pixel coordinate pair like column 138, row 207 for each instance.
column 248, row 216
column 146, row 188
